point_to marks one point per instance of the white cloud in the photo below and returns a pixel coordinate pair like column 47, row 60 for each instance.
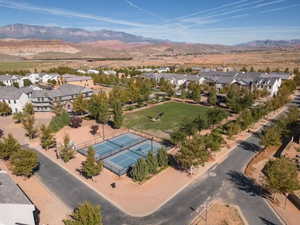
column 63, row 12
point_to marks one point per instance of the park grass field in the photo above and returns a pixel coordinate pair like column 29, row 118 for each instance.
column 174, row 114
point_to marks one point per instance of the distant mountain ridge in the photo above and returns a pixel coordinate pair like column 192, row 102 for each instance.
column 272, row 43
column 75, row 35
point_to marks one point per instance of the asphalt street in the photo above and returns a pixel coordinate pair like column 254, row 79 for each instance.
column 225, row 181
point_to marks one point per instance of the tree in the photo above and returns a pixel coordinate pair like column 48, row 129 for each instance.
column 271, row 137
column 178, row 136
column 212, row 97
column 75, row 122
column 24, row 162
column 94, row 129
column 79, row 105
column 58, row 109
column 66, row 151
column 193, row 152
column 28, row 124
column 28, row 109
column 5, row 109
column 16, row 85
column 140, row 170
column 85, row 214
column 152, row 163
column 281, row 176
column 8, row 147
column 18, row 117
column 98, row 107
column 90, row 167
column 162, row 158
column 1, row 133
column 117, row 115
column 47, row 139
column 59, row 121
column 27, row 82
column 2, row 84
column 233, row 128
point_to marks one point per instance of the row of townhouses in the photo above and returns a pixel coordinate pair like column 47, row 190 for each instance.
column 271, row 82
column 42, row 100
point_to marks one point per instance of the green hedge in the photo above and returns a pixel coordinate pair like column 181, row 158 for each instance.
column 59, row 121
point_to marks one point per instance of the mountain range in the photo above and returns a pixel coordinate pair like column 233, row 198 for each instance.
column 43, row 42
column 75, row 35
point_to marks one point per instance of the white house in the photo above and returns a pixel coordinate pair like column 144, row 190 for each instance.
column 47, row 77
column 109, row 72
column 9, row 80
column 15, row 207
column 33, row 77
column 81, row 71
column 16, row 98
column 272, row 85
column 93, row 71
column 163, row 70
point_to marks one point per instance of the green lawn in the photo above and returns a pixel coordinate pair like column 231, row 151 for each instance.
column 175, row 114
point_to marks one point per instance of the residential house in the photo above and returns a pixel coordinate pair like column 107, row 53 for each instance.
column 44, row 100
column 163, row 70
column 16, row 98
column 15, row 206
column 93, row 71
column 109, row 72
column 85, row 81
column 9, row 80
column 176, row 79
column 272, row 85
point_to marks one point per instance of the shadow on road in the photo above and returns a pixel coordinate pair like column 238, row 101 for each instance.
column 247, row 184
column 267, row 222
column 249, row 146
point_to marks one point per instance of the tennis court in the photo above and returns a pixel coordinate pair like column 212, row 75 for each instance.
column 122, row 152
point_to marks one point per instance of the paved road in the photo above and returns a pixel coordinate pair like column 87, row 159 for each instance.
column 225, row 181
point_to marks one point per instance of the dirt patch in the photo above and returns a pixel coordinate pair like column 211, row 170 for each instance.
column 221, row 214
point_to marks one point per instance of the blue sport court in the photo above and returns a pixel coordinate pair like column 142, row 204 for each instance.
column 122, row 152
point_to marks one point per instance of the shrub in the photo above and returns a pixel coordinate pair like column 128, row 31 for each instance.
column 75, row 122
column 59, row 121
column 94, row 129
column 24, row 162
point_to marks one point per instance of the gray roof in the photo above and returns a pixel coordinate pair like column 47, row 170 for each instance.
column 9, row 77
column 70, row 78
column 10, row 93
column 63, row 90
column 10, row 193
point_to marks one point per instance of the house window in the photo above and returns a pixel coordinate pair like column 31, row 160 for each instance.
column 15, row 101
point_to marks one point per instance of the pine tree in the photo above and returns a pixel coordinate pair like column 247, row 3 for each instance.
column 90, row 167
column 47, row 138
column 117, row 115
column 28, row 109
column 8, row 147
column 28, row 124
column 271, row 137
column 18, row 117
column 79, row 105
column 152, row 163
column 140, row 170
column 24, row 162
column 66, row 152
column 212, row 97
column 281, row 176
column 85, row 214
column 162, row 158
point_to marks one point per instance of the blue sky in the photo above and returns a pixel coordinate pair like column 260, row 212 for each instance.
column 199, row 21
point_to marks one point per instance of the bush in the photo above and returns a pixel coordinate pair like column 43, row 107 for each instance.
column 75, row 122
column 94, row 129
column 59, row 121
column 24, row 162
